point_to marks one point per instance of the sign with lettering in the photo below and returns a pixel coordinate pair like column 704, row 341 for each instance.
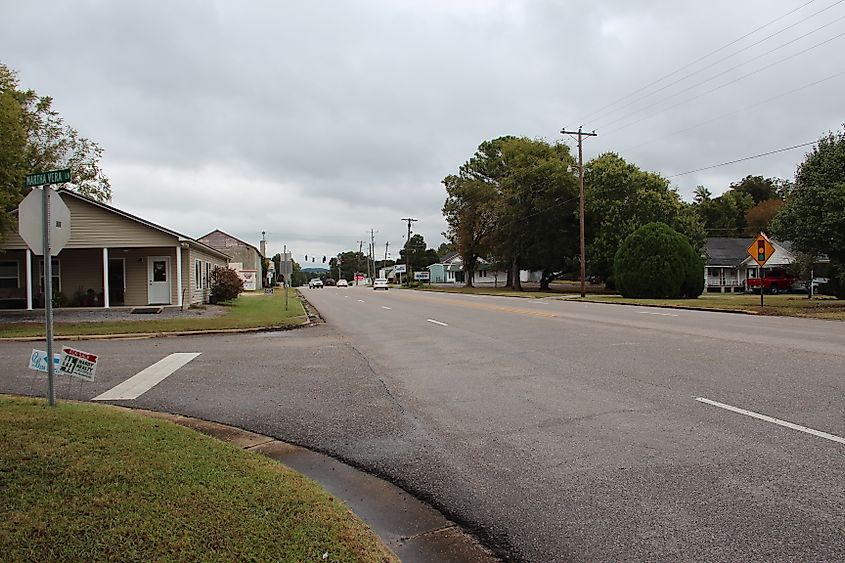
column 399, row 269
column 38, row 361
column 51, row 177
column 422, row 276
column 79, row 364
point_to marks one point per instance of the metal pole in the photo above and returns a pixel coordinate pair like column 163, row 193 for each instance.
column 287, row 274
column 760, row 275
column 48, row 290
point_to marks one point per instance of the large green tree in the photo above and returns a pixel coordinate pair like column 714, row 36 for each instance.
column 417, row 254
column 35, row 138
column 813, row 214
column 620, row 198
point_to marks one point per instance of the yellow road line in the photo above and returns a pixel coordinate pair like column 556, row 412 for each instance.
column 476, row 305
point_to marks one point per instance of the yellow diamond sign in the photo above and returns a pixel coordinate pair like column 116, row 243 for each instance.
column 761, row 249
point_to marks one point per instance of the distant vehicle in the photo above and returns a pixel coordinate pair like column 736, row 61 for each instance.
column 342, row 283
column 329, row 282
column 315, row 284
column 380, row 283
column 774, row 281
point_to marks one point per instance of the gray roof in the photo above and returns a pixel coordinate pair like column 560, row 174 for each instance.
column 727, row 251
column 448, row 257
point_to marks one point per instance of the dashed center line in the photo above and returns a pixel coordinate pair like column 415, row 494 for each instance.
column 661, row 314
column 773, row 420
column 436, row 322
column 383, row 307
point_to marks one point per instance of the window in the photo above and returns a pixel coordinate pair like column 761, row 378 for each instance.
column 56, row 277
column 198, row 274
column 9, row 274
column 208, row 274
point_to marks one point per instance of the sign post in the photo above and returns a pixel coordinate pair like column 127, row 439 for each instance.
column 761, row 250
column 44, row 179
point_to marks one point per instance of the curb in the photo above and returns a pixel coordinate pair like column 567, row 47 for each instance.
column 413, row 530
column 682, row 307
column 140, row 335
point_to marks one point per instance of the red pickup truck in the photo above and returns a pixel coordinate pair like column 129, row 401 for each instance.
column 775, row 280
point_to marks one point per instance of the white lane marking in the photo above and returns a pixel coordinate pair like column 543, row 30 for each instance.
column 361, row 301
column 773, row 420
column 436, row 322
column 383, row 307
column 147, row 378
column 661, row 314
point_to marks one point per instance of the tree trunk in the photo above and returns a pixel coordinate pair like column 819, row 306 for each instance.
column 468, row 280
column 517, row 284
column 509, row 281
column 545, row 280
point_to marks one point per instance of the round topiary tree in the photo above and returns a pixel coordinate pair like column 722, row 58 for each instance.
column 656, row 261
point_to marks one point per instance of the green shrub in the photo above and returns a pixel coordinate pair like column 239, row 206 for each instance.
column 655, row 261
column 225, row 285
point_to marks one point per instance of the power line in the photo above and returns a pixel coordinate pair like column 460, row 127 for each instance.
column 743, row 77
column 742, row 159
column 741, row 110
column 688, row 65
column 711, row 65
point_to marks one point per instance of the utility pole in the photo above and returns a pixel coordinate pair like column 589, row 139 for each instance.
column 373, row 251
column 408, row 249
column 358, row 260
column 580, row 137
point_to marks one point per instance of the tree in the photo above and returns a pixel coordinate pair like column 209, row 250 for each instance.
column 760, row 189
column 813, row 213
column 420, row 257
column 620, row 198
column 445, row 248
column 655, row 261
column 35, row 138
column 758, row 218
column 226, row 285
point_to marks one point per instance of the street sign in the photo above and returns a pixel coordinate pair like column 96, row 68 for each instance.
column 30, row 222
column 761, row 249
column 399, row 269
column 38, row 360
column 78, row 364
column 421, row 276
column 45, row 178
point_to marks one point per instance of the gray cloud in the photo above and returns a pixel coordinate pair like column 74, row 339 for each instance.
column 318, row 121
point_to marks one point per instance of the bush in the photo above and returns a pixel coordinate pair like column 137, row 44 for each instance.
column 655, row 261
column 225, row 285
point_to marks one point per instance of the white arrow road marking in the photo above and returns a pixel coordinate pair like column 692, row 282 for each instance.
column 773, row 420
column 436, row 322
column 147, row 378
column 661, row 314
column 383, row 307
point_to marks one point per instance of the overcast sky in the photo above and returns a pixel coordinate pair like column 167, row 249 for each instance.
column 318, row 121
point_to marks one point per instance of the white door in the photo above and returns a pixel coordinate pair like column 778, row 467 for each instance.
column 158, row 275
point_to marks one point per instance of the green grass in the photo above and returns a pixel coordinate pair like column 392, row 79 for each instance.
column 784, row 305
column 90, row 483
column 247, row 311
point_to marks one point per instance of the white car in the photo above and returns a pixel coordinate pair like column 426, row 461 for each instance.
column 380, row 283
column 342, row 283
column 315, row 284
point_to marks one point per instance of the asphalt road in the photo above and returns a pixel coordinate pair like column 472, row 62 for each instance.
column 557, row 430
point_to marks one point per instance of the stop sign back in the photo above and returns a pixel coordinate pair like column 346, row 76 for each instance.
column 30, row 224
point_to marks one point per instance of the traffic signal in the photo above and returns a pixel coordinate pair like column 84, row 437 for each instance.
column 324, row 259
column 761, row 250
column 306, row 258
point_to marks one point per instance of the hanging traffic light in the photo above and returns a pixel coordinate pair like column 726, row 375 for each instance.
column 324, row 259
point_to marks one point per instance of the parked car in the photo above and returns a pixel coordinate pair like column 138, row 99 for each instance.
column 774, row 281
column 315, row 283
column 380, row 283
column 342, row 283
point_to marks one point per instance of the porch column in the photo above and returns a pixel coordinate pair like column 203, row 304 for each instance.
column 106, row 278
column 179, row 275
column 28, row 279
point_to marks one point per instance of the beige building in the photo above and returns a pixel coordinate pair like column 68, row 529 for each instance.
column 245, row 258
column 112, row 259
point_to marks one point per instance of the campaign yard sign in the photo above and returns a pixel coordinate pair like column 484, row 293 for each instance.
column 79, row 364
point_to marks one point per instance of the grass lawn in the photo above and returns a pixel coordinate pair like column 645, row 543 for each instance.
column 247, row 311
column 89, row 483
column 785, row 305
